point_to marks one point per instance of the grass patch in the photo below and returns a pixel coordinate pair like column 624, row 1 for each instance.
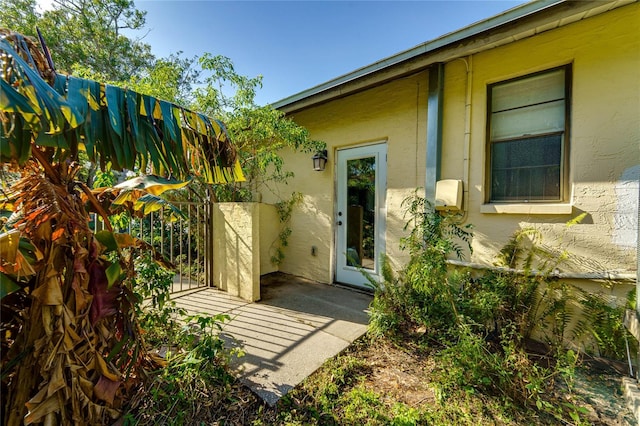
column 395, row 381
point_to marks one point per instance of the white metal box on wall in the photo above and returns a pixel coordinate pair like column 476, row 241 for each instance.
column 449, row 194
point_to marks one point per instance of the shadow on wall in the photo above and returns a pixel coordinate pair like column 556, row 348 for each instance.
column 625, row 233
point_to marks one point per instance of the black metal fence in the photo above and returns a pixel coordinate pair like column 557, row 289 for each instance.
column 184, row 240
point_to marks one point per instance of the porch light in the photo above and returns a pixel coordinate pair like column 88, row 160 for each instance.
column 319, row 160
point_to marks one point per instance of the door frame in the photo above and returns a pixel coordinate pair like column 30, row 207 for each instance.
column 348, row 274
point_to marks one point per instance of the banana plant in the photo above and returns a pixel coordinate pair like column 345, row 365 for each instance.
column 72, row 351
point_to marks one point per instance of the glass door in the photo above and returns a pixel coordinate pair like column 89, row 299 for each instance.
column 360, row 213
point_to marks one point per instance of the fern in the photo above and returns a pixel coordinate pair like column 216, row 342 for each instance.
column 603, row 322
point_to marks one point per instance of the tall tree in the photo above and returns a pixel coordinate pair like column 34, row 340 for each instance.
column 19, row 15
column 75, row 342
column 86, row 32
column 86, row 36
column 259, row 131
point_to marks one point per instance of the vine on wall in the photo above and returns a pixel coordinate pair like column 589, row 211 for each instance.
column 284, row 209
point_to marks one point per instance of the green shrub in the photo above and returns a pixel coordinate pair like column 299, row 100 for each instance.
column 603, row 321
column 474, row 364
column 195, row 378
column 480, row 322
column 158, row 315
column 196, row 375
column 363, row 406
column 422, row 297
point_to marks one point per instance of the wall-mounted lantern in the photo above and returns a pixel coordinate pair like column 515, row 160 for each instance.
column 320, row 160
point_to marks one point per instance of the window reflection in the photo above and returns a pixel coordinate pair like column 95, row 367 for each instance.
column 361, row 204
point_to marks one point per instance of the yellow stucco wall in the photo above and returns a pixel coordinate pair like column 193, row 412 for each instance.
column 604, row 144
column 393, row 113
column 604, row 147
column 269, row 230
column 244, row 233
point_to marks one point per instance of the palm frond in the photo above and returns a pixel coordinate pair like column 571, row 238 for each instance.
column 112, row 124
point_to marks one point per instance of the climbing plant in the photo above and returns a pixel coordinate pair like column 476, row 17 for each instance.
column 284, row 209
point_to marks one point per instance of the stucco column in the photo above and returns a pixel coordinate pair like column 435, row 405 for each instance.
column 236, row 257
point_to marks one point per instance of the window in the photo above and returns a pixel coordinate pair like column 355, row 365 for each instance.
column 528, row 137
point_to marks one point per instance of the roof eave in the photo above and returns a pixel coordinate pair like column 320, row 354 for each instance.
column 519, row 12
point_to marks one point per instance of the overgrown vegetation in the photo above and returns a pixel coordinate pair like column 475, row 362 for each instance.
column 482, row 324
column 195, row 385
column 73, row 350
column 395, row 381
column 465, row 358
column 60, row 133
column 74, row 292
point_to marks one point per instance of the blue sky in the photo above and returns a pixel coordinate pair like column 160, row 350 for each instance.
column 296, row 45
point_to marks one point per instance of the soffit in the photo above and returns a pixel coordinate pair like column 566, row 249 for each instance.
column 450, row 47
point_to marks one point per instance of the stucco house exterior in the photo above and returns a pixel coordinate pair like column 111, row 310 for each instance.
column 526, row 119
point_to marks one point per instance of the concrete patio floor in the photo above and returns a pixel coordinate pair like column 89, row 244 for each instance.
column 296, row 326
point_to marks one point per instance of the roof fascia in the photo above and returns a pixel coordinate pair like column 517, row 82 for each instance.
column 459, row 43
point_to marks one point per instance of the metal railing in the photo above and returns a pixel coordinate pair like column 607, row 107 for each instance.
column 186, row 242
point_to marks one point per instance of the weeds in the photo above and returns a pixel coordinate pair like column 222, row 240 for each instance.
column 475, row 326
column 158, row 315
column 479, row 324
column 602, row 321
column 196, row 378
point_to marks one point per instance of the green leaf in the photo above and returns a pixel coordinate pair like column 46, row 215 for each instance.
column 7, row 285
column 133, row 111
column 55, row 109
column 55, row 141
column 112, row 124
column 54, row 114
column 149, row 203
column 13, row 101
column 77, row 93
column 149, row 138
column 113, row 273
column 29, row 251
column 115, row 107
column 576, row 220
column 107, row 239
column 94, row 128
column 117, row 348
column 170, row 126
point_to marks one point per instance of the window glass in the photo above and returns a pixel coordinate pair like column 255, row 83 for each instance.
column 532, row 120
column 527, row 169
column 527, row 136
column 528, row 91
column 361, row 212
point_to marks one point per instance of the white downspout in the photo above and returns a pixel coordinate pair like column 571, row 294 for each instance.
column 467, row 139
column 466, row 150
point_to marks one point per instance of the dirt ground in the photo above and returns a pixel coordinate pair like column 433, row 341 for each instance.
column 402, row 376
column 599, row 386
column 399, row 376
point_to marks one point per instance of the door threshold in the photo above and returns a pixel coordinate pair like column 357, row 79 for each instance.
column 356, row 288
